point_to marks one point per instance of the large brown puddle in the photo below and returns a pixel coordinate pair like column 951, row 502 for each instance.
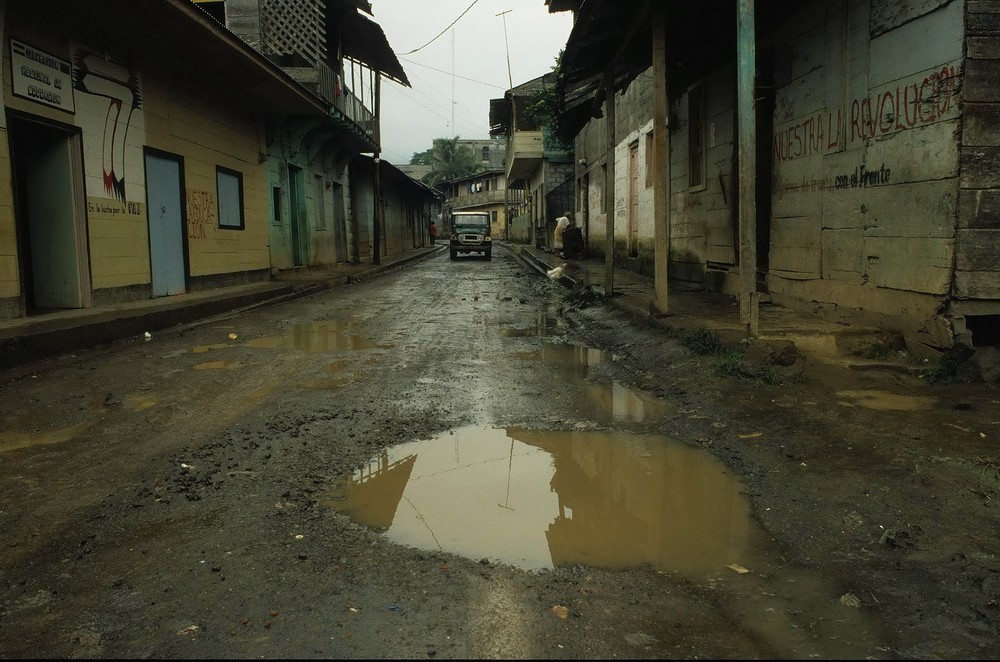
column 541, row 499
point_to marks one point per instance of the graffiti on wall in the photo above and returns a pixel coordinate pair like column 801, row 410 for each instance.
column 117, row 92
column 862, row 177
column 815, row 135
column 904, row 106
column 200, row 213
column 923, row 99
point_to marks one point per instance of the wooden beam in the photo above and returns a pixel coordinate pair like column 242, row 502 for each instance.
column 747, row 162
column 661, row 161
column 609, row 198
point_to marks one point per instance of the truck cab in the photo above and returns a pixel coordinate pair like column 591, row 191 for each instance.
column 470, row 233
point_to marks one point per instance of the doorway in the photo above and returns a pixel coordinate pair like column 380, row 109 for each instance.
column 164, row 201
column 50, row 213
column 296, row 213
column 633, row 200
column 339, row 222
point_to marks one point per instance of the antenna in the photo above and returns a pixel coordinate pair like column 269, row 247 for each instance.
column 453, row 132
column 510, row 79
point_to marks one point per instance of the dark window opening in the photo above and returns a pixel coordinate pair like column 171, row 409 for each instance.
column 985, row 330
column 276, row 203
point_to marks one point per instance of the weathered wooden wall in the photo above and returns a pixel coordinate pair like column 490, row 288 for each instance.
column 866, row 160
column 977, row 267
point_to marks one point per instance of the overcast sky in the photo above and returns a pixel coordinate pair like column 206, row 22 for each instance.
column 455, row 76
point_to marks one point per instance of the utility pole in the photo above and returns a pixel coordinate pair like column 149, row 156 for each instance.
column 453, row 131
column 510, row 83
column 510, row 79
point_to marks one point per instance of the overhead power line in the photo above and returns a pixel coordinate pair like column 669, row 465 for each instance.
column 471, row 80
column 442, row 31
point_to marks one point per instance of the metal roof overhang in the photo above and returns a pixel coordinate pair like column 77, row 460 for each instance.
column 611, row 44
column 178, row 41
column 608, row 46
column 363, row 40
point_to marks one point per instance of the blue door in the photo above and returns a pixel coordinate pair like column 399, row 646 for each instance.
column 166, row 225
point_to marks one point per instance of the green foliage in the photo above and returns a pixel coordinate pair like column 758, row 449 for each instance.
column 450, row 161
column 729, row 364
column 542, row 109
column 421, row 158
column 542, row 106
column 702, row 341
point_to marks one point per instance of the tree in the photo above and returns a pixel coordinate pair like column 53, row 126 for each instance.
column 542, row 109
column 421, row 158
column 450, row 161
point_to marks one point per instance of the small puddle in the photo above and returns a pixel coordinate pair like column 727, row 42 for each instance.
column 603, row 401
column 10, row 440
column 201, row 349
column 572, row 361
column 541, row 499
column 219, row 365
column 336, row 376
column 883, row 400
column 322, row 336
column 140, row 401
column 621, row 404
column 544, row 326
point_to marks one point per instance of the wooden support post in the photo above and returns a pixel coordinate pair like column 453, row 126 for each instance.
column 746, row 71
column 609, row 196
column 661, row 162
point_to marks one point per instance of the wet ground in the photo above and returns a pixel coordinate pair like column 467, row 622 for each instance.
column 451, row 461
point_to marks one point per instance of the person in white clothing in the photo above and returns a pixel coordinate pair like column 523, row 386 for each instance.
column 562, row 223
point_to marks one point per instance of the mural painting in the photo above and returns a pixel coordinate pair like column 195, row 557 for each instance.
column 109, row 99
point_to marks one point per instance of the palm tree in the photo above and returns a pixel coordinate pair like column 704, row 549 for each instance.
column 451, row 161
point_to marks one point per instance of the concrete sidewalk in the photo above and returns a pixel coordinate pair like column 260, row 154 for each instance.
column 831, row 342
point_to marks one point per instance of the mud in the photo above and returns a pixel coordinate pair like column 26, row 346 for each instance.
column 170, row 498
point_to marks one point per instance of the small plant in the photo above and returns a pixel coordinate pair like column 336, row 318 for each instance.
column 946, row 371
column 879, row 351
column 702, row 341
column 730, row 363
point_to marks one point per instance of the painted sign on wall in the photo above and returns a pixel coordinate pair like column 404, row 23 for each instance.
column 110, row 109
column 40, row 77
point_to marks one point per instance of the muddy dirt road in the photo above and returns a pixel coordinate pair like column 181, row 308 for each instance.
column 454, row 461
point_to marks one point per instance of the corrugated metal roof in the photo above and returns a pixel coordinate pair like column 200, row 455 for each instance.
column 363, row 40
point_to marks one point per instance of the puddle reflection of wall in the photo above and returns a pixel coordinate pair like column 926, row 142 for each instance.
column 377, row 489
column 619, row 403
column 626, row 501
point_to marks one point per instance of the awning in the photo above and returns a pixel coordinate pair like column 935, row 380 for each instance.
column 363, row 40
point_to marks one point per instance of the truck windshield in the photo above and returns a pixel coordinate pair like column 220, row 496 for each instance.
column 479, row 223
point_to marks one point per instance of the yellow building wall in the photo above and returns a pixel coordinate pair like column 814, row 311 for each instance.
column 206, row 137
column 164, row 118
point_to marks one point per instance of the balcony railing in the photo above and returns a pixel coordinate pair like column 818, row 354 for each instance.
column 463, row 200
